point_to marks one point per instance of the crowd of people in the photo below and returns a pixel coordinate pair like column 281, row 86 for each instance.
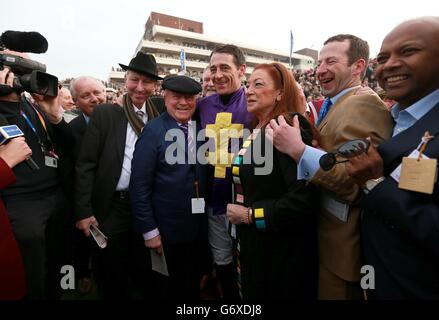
column 152, row 194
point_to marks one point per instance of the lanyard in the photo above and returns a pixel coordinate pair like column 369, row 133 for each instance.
column 423, row 145
column 29, row 123
column 196, row 189
column 43, row 122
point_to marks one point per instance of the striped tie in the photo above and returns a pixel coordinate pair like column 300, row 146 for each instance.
column 327, row 103
column 140, row 114
column 190, row 142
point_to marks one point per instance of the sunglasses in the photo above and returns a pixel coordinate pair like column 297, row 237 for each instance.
column 348, row 150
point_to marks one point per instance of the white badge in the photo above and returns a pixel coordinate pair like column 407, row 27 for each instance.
column 50, row 162
column 198, row 205
column 336, row 208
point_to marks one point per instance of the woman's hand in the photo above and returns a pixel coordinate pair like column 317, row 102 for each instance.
column 237, row 214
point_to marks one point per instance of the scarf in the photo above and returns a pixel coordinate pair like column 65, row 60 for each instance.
column 135, row 122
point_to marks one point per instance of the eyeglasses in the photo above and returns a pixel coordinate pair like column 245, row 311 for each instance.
column 348, row 150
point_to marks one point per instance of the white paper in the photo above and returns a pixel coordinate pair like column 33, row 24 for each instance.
column 233, row 230
column 396, row 174
column 50, row 162
column 336, row 208
column 100, row 238
column 158, row 262
column 198, row 205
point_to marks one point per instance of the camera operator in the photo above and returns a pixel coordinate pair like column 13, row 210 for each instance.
column 35, row 202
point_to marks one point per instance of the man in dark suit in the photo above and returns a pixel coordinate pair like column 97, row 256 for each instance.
column 400, row 221
column 103, row 172
column 163, row 192
column 87, row 93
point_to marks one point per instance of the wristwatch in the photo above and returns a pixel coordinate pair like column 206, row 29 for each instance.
column 372, row 183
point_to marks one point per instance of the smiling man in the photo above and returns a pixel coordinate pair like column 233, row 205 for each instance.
column 224, row 110
column 344, row 115
column 400, row 225
column 163, row 193
column 103, row 171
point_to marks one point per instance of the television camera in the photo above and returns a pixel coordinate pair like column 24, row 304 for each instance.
column 30, row 75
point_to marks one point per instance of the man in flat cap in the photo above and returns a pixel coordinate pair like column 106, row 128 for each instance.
column 103, row 172
column 167, row 198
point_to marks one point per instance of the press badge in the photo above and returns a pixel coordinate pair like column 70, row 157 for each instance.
column 417, row 172
column 50, row 161
column 198, row 205
column 418, row 175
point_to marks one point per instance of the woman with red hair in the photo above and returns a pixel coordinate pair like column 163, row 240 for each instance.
column 272, row 210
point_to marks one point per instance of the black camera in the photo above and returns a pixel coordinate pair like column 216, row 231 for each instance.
column 30, row 75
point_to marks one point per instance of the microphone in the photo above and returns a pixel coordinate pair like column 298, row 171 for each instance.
column 10, row 132
column 24, row 41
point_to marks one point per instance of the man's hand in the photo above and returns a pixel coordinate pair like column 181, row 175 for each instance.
column 7, row 81
column 155, row 244
column 15, row 152
column 366, row 166
column 287, row 139
column 84, row 225
column 50, row 106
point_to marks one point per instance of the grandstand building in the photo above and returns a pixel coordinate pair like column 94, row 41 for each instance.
column 180, row 44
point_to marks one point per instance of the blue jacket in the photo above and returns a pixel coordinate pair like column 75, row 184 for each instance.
column 160, row 192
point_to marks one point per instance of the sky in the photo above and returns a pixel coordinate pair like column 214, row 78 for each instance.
column 89, row 37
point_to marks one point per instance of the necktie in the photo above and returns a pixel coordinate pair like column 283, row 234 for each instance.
column 187, row 136
column 140, row 114
column 324, row 109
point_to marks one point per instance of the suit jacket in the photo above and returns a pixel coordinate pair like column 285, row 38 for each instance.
column 78, row 126
column 12, row 278
column 161, row 192
column 100, row 160
column 352, row 116
column 66, row 164
column 400, row 228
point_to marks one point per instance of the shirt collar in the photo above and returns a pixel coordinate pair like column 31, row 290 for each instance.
column 189, row 123
column 341, row 93
column 419, row 108
column 141, row 109
column 87, row 118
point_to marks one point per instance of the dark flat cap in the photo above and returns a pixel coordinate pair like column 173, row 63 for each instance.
column 181, row 84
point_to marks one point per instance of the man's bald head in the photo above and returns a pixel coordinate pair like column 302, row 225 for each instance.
column 87, row 92
column 408, row 63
